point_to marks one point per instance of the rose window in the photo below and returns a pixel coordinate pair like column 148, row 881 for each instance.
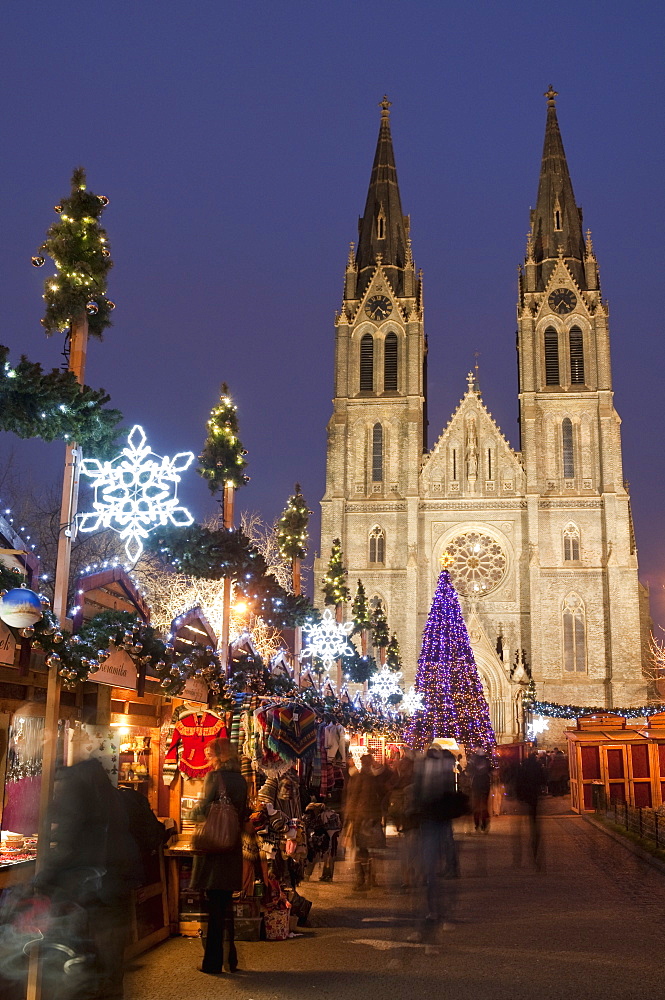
column 478, row 564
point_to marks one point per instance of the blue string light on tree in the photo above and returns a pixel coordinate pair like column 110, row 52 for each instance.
column 447, row 678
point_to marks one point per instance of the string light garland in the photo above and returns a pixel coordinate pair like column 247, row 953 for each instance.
column 291, row 532
column 135, row 492
column 222, row 461
column 53, row 406
column 335, row 590
column 380, row 634
column 553, row 711
column 78, row 246
column 447, row 679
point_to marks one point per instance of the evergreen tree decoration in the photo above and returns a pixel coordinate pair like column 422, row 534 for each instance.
column 360, row 612
column 78, row 246
column 292, row 527
column 393, row 658
column 53, row 406
column 380, row 634
column 447, row 679
column 335, row 590
column 223, row 456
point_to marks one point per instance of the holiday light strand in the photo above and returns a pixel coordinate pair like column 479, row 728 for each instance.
column 555, row 711
column 291, row 532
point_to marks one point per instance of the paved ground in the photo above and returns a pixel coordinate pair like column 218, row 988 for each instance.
column 587, row 922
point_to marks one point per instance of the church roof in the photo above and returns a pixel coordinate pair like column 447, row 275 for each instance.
column 556, row 220
column 383, row 230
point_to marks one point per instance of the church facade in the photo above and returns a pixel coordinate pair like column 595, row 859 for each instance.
column 541, row 538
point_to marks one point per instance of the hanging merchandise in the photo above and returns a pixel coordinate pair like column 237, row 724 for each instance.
column 191, row 734
column 291, row 730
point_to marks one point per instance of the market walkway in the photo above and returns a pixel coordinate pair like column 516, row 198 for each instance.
column 589, row 923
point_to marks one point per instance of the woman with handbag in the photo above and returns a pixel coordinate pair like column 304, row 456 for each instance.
column 218, row 868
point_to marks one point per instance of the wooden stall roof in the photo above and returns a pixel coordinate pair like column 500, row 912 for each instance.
column 108, row 590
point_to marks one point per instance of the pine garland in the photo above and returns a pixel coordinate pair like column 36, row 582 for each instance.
column 554, row 711
column 223, row 456
column 78, row 246
column 335, row 590
column 53, row 406
column 357, row 668
column 292, row 534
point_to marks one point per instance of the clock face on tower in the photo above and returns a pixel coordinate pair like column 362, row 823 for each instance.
column 379, row 307
column 562, row 300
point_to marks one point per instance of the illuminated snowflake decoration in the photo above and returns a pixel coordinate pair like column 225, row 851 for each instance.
column 537, row 726
column 327, row 640
column 412, row 701
column 136, row 492
column 385, row 684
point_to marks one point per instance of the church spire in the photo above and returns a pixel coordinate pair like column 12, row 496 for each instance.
column 383, row 230
column 556, row 221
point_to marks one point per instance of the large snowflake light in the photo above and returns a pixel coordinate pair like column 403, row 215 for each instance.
column 327, row 640
column 412, row 701
column 135, row 492
column 385, row 683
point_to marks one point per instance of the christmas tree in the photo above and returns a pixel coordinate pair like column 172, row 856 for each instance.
column 223, row 456
column 393, row 658
column 335, row 590
column 447, row 678
column 380, row 634
column 360, row 613
column 78, row 246
column 292, row 527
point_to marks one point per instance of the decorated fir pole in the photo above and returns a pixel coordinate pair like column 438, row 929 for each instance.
column 380, row 633
column 447, row 678
column 393, row 657
column 76, row 307
column 222, row 465
column 362, row 618
column 335, row 590
column 292, row 540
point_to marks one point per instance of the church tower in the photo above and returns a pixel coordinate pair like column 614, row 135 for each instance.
column 376, row 434
column 584, row 602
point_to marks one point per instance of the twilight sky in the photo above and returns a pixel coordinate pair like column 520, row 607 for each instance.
column 235, row 141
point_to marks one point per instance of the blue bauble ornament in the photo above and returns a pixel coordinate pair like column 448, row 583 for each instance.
column 21, row 608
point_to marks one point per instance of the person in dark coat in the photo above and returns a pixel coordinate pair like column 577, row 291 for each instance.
column 363, row 812
column 219, row 875
column 480, row 769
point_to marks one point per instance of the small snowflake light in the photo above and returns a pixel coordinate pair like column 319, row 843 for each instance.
column 327, row 640
column 136, row 492
column 537, row 726
column 385, row 683
column 412, row 701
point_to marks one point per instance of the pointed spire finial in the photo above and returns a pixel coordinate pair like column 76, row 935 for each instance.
column 589, row 244
column 385, row 106
column 470, row 379
column 409, row 251
column 529, row 247
column 550, row 95
column 351, row 259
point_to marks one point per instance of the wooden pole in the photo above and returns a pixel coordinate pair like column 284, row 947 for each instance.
column 297, row 635
column 227, row 520
column 68, row 506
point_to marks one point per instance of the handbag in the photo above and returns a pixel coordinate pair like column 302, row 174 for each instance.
column 220, row 830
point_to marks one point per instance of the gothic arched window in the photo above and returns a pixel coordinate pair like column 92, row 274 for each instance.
column 390, row 363
column 377, row 453
column 551, row 356
column 576, row 356
column 571, row 543
column 574, row 635
column 367, row 363
column 377, row 545
column 568, row 451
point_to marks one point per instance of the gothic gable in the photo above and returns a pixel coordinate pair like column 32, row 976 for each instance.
column 472, row 457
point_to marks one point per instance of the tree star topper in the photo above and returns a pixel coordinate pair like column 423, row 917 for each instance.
column 327, row 639
column 136, row 492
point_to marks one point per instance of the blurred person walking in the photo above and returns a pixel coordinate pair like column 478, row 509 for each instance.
column 437, row 803
column 364, row 814
column 480, row 773
column 220, row 873
column 528, row 788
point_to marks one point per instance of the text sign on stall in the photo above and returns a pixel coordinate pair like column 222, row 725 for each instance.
column 196, row 690
column 118, row 671
column 7, row 646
